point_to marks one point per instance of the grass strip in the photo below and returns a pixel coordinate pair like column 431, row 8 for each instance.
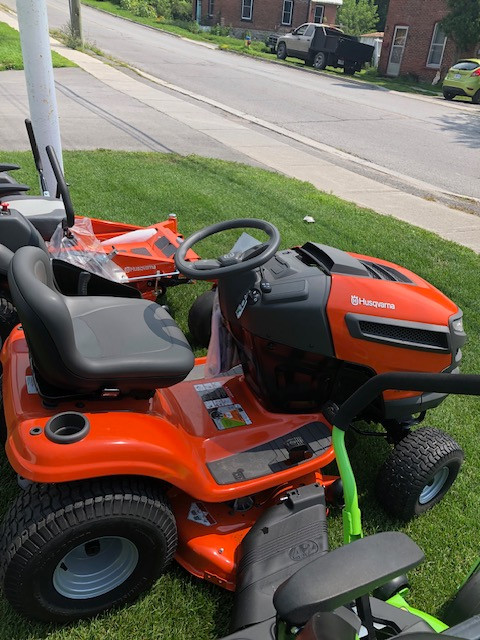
column 11, row 52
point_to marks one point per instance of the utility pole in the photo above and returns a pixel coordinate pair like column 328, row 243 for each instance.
column 76, row 19
column 37, row 61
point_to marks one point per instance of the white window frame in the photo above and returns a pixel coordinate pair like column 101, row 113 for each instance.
column 247, row 9
column 284, row 11
column 433, row 43
column 319, row 6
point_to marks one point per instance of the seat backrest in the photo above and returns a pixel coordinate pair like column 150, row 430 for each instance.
column 16, row 231
column 5, row 257
column 41, row 308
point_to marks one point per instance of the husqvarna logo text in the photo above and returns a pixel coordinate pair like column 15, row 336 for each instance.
column 377, row 304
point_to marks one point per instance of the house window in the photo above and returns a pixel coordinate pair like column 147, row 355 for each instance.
column 247, row 9
column 435, row 55
column 318, row 15
column 211, row 8
column 287, row 12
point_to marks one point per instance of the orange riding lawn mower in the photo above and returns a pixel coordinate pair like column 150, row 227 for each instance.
column 130, row 452
column 90, row 255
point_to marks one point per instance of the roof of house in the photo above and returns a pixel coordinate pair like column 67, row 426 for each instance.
column 376, row 34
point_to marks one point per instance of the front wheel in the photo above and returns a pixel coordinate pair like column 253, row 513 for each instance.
column 320, row 60
column 418, row 473
column 71, row 551
column 281, row 51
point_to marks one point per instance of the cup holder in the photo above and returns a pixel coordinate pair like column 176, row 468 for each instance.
column 67, row 427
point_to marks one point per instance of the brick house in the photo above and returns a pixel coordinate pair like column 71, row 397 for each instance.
column 262, row 17
column 414, row 43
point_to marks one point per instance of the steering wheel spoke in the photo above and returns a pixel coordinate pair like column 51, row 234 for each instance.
column 205, row 265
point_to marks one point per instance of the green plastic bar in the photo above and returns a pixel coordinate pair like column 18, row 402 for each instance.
column 352, row 517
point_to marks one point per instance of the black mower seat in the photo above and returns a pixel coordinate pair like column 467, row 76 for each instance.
column 16, row 231
column 44, row 213
column 5, row 166
column 9, row 188
column 5, row 257
column 84, row 345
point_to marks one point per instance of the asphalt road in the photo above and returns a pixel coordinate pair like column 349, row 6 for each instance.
column 427, row 140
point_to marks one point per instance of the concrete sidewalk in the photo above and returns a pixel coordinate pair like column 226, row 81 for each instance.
column 112, row 109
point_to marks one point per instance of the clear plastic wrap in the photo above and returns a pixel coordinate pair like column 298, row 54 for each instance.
column 222, row 352
column 82, row 248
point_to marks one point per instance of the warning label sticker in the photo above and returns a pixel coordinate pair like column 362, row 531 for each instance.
column 224, row 412
column 198, row 513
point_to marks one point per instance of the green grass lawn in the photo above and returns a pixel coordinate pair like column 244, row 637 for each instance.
column 11, row 53
column 144, row 188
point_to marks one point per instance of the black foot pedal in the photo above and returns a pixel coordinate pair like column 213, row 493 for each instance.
column 284, row 539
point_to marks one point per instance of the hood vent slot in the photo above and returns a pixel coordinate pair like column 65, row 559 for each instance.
column 382, row 272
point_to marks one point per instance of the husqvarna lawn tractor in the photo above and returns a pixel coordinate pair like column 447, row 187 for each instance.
column 358, row 590
column 130, row 455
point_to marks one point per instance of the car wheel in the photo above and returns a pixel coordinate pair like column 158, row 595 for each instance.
column 476, row 97
column 418, row 473
column 281, row 51
column 447, row 95
column 349, row 70
column 320, row 60
column 71, row 551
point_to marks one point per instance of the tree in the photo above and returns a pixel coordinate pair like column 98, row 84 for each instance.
column 382, row 13
column 358, row 16
column 462, row 23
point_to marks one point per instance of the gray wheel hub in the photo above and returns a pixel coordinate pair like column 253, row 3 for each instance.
column 95, row 567
column 430, row 491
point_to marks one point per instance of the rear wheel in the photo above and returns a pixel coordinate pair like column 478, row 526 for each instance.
column 320, row 60
column 418, row 473
column 476, row 97
column 8, row 318
column 448, row 95
column 349, row 69
column 281, row 51
column 71, row 551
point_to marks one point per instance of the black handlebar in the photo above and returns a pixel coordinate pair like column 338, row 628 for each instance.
column 62, row 186
column 458, row 384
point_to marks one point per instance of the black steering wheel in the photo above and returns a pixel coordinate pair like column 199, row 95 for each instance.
column 62, row 186
column 229, row 263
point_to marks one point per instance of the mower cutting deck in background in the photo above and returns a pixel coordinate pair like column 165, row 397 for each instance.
column 139, row 257
column 110, row 419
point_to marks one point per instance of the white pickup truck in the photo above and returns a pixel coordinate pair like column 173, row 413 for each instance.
column 320, row 46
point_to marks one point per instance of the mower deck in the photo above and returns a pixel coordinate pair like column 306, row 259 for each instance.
column 193, row 436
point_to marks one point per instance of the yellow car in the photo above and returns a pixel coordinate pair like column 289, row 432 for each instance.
column 463, row 79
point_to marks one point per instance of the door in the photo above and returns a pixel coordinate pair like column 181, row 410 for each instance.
column 300, row 40
column 396, row 52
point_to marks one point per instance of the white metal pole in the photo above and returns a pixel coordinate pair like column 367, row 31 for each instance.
column 37, row 61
